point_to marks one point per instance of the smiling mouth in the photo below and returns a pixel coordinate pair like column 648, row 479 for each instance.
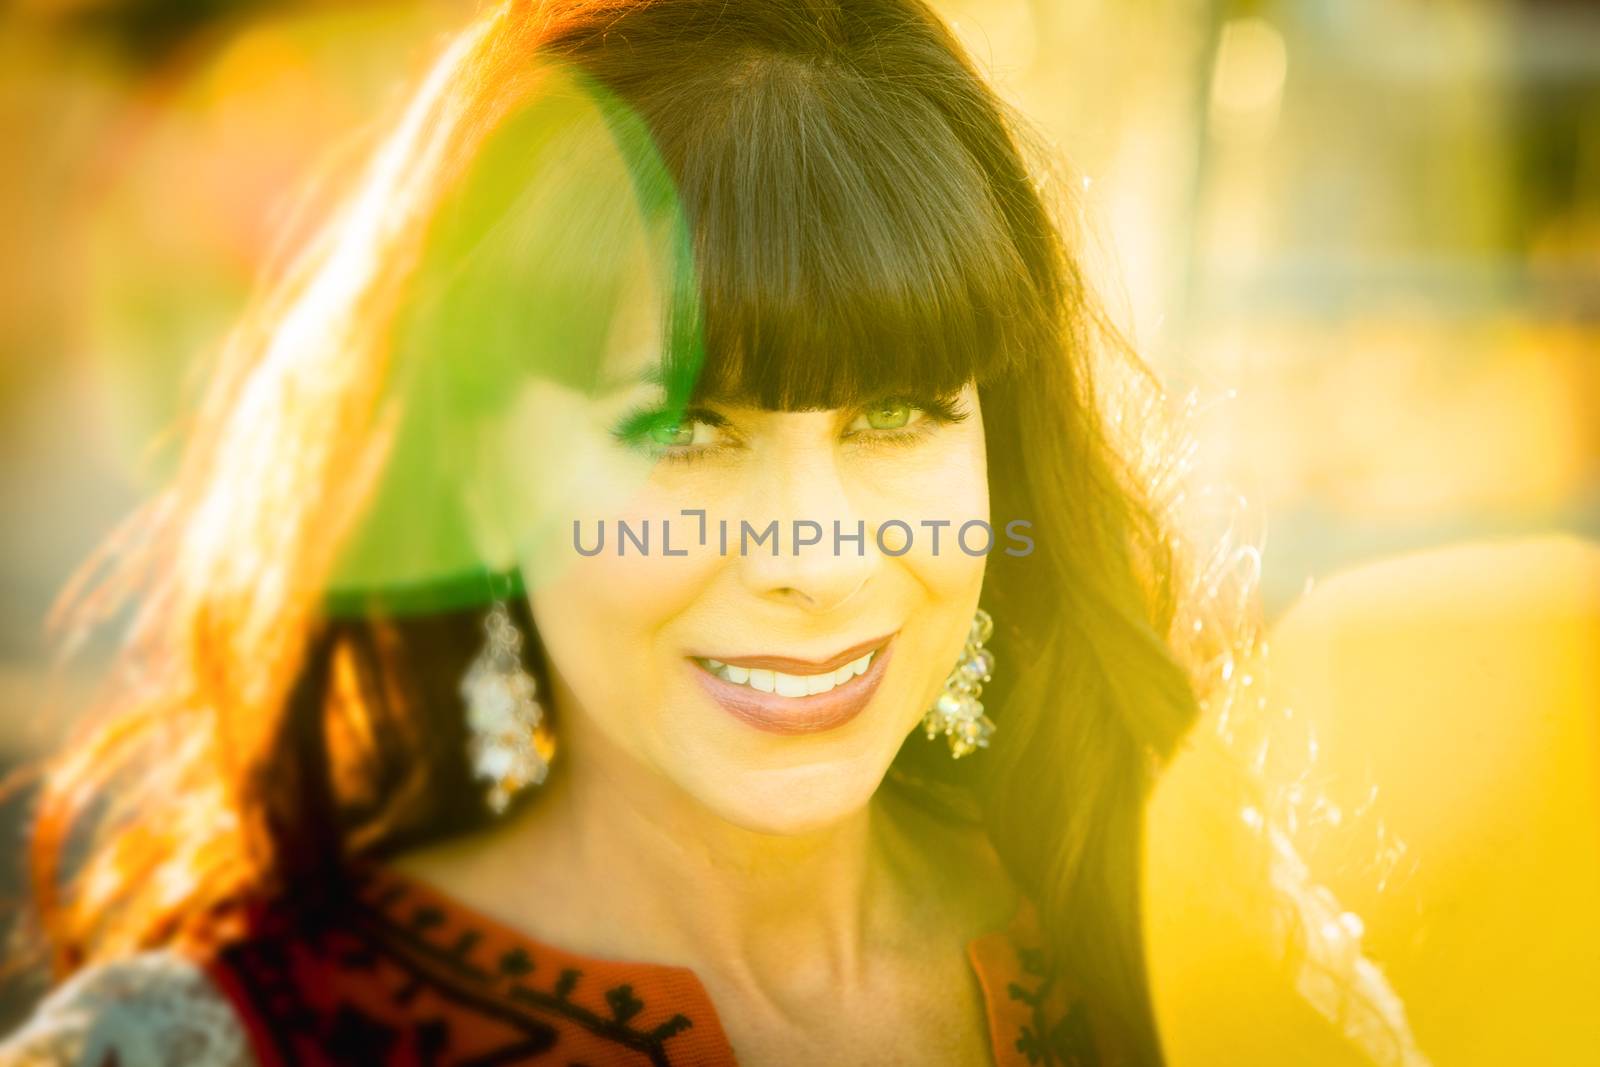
column 785, row 684
column 787, row 696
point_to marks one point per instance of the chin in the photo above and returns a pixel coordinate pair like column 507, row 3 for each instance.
column 793, row 801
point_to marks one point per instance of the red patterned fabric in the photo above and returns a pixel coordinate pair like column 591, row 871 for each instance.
column 403, row 976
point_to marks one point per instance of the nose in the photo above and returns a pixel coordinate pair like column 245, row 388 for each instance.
column 817, row 561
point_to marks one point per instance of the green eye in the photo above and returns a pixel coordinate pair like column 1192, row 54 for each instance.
column 672, row 431
column 889, row 415
column 670, row 434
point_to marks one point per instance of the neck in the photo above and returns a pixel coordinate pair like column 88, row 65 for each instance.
column 643, row 871
column 676, row 882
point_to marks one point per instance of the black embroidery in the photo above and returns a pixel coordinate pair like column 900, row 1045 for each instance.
column 466, row 943
column 419, row 942
column 437, row 956
column 432, row 1039
column 262, row 968
column 567, row 983
column 414, row 951
column 354, row 1037
column 674, row 1025
column 1067, row 1041
column 516, row 963
column 624, row 1005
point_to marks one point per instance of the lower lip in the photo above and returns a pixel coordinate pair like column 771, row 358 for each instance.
column 797, row 715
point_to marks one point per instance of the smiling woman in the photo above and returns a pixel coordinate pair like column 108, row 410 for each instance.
column 779, row 261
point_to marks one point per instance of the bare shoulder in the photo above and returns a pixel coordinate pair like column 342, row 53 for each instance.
column 148, row 1010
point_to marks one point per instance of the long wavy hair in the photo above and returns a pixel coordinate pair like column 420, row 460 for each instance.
column 860, row 211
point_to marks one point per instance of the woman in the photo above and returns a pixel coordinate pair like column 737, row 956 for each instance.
column 563, row 642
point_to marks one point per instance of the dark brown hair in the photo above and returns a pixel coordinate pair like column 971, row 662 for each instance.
column 859, row 214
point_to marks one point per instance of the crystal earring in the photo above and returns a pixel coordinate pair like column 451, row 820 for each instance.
column 505, row 742
column 958, row 713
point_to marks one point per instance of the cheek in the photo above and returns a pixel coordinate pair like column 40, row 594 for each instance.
column 934, row 503
column 601, row 616
column 599, row 612
column 554, row 463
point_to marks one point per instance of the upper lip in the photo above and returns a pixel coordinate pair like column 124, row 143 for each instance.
column 789, row 665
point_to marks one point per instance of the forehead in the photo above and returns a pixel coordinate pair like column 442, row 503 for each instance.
column 632, row 352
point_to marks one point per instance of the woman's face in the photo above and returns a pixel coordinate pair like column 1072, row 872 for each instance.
column 772, row 680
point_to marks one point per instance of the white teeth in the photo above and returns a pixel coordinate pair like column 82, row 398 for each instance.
column 788, row 685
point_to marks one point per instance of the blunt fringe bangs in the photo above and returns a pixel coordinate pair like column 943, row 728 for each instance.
column 828, row 233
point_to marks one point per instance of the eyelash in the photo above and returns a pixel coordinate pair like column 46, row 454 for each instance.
column 635, row 427
column 936, row 411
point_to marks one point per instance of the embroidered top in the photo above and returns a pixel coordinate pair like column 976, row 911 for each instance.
column 408, row 977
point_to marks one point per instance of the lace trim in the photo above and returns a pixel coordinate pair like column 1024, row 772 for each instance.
column 153, row 1009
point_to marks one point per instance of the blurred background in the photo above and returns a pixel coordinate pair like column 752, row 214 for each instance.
column 1365, row 233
